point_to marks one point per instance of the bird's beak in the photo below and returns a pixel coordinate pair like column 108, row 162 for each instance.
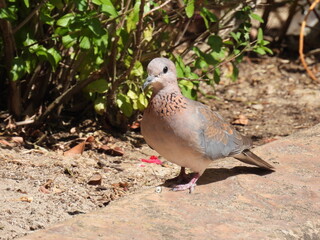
column 148, row 81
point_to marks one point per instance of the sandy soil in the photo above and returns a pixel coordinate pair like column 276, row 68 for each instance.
column 40, row 187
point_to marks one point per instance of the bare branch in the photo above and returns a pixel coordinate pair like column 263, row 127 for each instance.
column 156, row 8
column 34, row 11
column 301, row 42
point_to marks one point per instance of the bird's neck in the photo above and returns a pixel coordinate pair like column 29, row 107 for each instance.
column 167, row 103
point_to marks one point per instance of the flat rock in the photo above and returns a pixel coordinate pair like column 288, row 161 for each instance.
column 231, row 201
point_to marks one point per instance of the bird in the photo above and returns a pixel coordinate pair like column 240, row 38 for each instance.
column 187, row 132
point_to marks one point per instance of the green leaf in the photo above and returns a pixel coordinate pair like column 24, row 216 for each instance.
column 186, row 84
column 235, row 36
column 26, row 3
column 260, row 35
column 68, row 41
column 85, row 43
column 100, row 105
column 46, row 18
column 189, row 8
column 8, row 13
column 215, row 43
column 61, row 31
column 54, row 57
column 82, row 5
column 124, row 104
column 256, row 17
column 133, row 17
column 142, row 102
column 187, row 89
column 131, row 94
column 260, row 51
column 147, row 33
column 64, row 20
column 98, row 86
column 95, row 26
column 268, row 50
column 18, row 69
column 210, row 16
column 201, row 64
column 41, row 52
column 137, row 69
column 108, row 8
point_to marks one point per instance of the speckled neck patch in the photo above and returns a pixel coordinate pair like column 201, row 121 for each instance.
column 168, row 104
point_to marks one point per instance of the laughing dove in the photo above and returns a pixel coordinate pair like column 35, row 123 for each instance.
column 186, row 132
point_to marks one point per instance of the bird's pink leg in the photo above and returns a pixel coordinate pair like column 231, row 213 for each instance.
column 182, row 177
column 190, row 185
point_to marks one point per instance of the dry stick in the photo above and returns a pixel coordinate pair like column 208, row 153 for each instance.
column 301, row 41
column 156, row 8
column 34, row 11
column 314, row 11
column 67, row 94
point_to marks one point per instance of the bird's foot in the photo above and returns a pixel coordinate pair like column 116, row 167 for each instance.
column 190, row 185
column 181, row 178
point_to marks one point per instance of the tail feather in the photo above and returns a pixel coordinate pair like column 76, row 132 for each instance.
column 249, row 157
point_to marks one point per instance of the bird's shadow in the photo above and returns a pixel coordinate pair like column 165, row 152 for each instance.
column 212, row 175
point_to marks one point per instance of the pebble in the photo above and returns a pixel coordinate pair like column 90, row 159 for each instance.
column 257, row 106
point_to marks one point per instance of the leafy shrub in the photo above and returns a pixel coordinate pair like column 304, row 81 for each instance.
column 53, row 49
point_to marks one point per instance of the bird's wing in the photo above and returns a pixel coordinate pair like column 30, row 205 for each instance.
column 218, row 138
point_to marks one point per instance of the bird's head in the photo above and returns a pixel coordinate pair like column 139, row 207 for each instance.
column 161, row 73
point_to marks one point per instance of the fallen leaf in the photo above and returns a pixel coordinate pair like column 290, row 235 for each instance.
column 241, row 120
column 135, row 125
column 96, row 179
column 152, row 159
column 6, row 143
column 116, row 151
column 78, row 149
column 90, row 139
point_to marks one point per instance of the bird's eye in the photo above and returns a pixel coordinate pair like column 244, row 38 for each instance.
column 165, row 69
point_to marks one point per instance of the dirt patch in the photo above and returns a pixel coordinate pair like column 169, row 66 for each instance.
column 40, row 187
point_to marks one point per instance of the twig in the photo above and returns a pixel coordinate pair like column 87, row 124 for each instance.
column 314, row 11
column 313, row 52
column 67, row 94
column 301, row 42
column 34, row 11
column 25, row 122
column 196, row 79
column 157, row 8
